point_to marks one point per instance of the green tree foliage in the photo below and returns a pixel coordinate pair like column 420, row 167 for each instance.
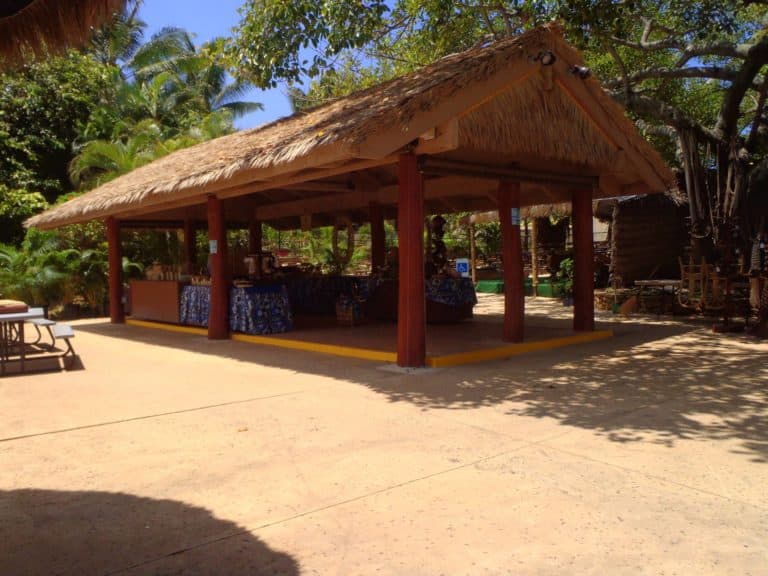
column 43, row 108
column 15, row 207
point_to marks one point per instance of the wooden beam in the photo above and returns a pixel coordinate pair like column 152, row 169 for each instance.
column 473, row 251
column 116, row 310
column 190, row 247
column 218, row 316
column 435, row 166
column 512, row 259
column 435, row 188
column 411, row 312
column 378, row 237
column 308, row 175
column 257, row 187
column 444, row 139
column 319, row 187
column 583, row 261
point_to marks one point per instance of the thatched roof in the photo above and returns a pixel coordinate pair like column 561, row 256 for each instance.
column 491, row 103
column 536, row 211
column 34, row 27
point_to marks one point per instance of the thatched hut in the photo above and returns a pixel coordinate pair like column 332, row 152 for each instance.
column 647, row 236
column 34, row 27
column 503, row 126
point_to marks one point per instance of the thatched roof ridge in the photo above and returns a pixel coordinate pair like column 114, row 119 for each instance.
column 35, row 27
column 330, row 133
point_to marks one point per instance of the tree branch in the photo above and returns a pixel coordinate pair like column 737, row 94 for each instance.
column 714, row 72
column 758, row 119
column 663, row 113
column 727, row 124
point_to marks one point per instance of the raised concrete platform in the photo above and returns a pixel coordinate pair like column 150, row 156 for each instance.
column 467, row 342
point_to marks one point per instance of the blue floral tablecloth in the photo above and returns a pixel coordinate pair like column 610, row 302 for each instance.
column 451, row 291
column 195, row 305
column 255, row 310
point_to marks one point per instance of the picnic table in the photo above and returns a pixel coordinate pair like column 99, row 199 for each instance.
column 668, row 287
column 12, row 345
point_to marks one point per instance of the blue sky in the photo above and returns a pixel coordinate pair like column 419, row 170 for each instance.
column 206, row 20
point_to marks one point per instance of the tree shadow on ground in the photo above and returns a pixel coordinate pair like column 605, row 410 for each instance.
column 55, row 532
column 686, row 385
column 655, row 382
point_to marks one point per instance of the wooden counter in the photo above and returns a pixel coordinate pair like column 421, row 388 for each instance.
column 156, row 300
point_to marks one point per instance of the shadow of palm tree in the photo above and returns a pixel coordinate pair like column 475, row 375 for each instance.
column 56, row 532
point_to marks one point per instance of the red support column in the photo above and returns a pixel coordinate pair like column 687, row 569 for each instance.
column 190, row 247
column 411, row 316
column 378, row 238
column 218, row 317
column 115, row 257
column 512, row 259
column 255, row 236
column 583, row 261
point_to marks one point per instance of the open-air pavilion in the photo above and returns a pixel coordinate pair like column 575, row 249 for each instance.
column 511, row 124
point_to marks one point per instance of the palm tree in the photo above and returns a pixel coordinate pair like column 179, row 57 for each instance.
column 208, row 81
column 120, row 40
column 100, row 161
column 35, row 271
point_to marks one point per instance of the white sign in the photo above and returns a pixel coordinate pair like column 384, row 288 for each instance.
column 462, row 267
column 515, row 216
column 213, row 246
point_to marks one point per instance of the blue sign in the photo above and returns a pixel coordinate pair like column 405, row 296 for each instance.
column 462, row 266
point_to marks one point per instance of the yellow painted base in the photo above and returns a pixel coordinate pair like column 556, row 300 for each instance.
column 336, row 350
column 169, row 327
column 472, row 357
column 510, row 350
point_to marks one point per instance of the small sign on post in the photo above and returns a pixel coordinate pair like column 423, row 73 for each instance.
column 462, row 267
column 515, row 216
column 213, row 246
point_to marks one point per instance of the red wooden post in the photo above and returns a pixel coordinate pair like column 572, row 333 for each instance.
column 218, row 316
column 512, row 258
column 190, row 247
column 115, row 257
column 255, row 236
column 378, row 239
column 411, row 316
column 583, row 261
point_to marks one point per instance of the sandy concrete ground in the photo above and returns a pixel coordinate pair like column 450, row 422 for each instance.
column 169, row 454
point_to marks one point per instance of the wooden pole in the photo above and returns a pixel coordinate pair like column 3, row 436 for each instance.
column 378, row 238
column 583, row 260
column 411, row 315
column 473, row 252
column 218, row 316
column 255, row 236
column 190, row 247
column 115, row 258
column 512, row 259
column 535, row 255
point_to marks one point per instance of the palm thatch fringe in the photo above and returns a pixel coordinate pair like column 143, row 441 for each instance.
column 37, row 27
